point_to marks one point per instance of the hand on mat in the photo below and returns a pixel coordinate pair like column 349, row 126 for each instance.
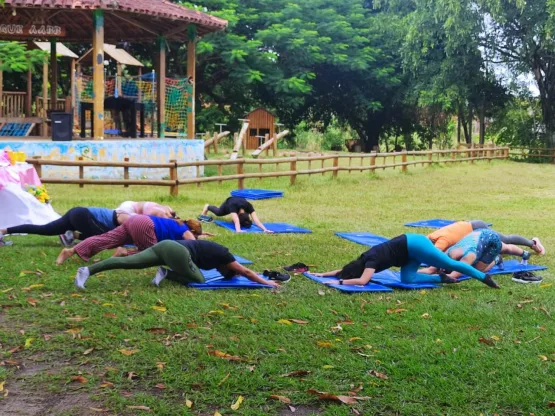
column 331, row 282
column 240, row 231
column 268, row 232
column 272, row 283
column 318, row 274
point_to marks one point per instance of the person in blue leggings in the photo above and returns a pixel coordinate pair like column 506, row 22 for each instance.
column 407, row 251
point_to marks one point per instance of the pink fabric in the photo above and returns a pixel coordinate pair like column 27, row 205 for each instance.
column 21, row 174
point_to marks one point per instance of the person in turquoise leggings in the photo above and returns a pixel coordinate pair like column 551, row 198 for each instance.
column 407, row 251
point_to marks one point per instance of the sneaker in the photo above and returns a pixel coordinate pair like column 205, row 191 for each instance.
column 4, row 243
column 297, row 268
column 276, row 276
column 67, row 238
column 526, row 277
column 83, row 274
column 537, row 247
column 446, row 279
column 161, row 274
column 205, row 218
column 490, row 282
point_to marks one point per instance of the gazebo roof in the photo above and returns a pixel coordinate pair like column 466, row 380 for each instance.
column 128, row 20
column 61, row 49
column 119, row 55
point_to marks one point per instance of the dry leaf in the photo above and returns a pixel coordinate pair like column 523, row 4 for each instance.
column 2, row 386
column 87, row 352
column 425, row 315
column 486, row 341
column 160, row 365
column 293, row 409
column 110, row 315
column 79, row 379
column 328, row 367
column 189, row 404
column 321, row 292
column 139, row 408
column 545, row 311
column 396, row 310
column 107, row 384
column 160, row 386
column 336, row 398
column 282, row 399
column 98, row 410
column 298, row 373
column 32, row 302
column 237, row 404
column 551, row 405
column 158, row 331
column 216, row 413
column 546, row 285
column 107, row 305
column 298, row 321
column 159, row 308
column 47, row 337
column 324, row 344
column 543, row 357
column 354, row 339
column 224, row 355
column 223, row 380
column 7, row 290
column 128, row 352
column 285, row 322
column 131, row 375
column 378, row 374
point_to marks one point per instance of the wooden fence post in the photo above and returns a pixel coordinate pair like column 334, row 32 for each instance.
column 126, row 172
column 293, row 168
column 453, row 156
column 220, row 172
column 174, row 189
column 198, row 176
column 38, row 166
column 323, row 162
column 373, row 163
column 404, row 161
column 350, row 161
column 430, row 157
column 266, row 138
column 215, row 143
column 488, row 153
column 260, row 171
column 275, row 147
column 335, row 166
column 240, row 171
column 81, row 172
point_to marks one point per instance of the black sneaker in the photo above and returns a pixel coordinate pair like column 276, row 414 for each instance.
column 277, row 276
column 446, row 279
column 490, row 282
column 205, row 218
column 297, row 268
column 526, row 278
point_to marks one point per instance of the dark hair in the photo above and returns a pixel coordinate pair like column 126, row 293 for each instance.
column 245, row 220
column 352, row 270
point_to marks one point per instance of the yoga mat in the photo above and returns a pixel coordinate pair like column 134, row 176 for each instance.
column 392, row 279
column 241, row 260
column 276, row 227
column 215, row 281
column 510, row 267
column 366, row 239
column 370, row 287
column 256, row 194
column 435, row 223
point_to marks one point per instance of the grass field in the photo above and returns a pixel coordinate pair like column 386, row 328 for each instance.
column 461, row 350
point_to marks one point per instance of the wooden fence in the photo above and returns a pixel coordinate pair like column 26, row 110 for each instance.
column 294, row 166
column 535, row 154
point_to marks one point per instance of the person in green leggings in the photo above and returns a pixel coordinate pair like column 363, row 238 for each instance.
column 183, row 260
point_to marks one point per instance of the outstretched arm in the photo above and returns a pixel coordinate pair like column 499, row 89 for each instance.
column 187, row 235
column 258, row 223
column 327, row 274
column 362, row 280
column 235, row 219
column 239, row 269
column 468, row 259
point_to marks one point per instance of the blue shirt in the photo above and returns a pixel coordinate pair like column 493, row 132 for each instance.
column 104, row 216
column 484, row 243
column 168, row 229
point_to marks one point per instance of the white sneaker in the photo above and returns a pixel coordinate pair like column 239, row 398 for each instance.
column 161, row 274
column 67, row 238
column 4, row 242
column 82, row 275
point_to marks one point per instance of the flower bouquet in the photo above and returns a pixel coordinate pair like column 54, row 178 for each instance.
column 39, row 192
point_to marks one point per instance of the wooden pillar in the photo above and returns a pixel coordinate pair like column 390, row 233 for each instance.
column 161, row 87
column 118, row 79
column 140, row 99
column 1, row 93
column 53, row 75
column 43, row 126
column 72, row 85
column 404, row 161
column 191, row 74
column 98, row 74
column 29, row 96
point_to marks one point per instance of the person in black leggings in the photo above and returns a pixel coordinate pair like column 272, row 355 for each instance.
column 88, row 222
column 241, row 212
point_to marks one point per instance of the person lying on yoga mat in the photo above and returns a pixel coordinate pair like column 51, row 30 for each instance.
column 450, row 235
column 182, row 261
column 142, row 231
column 146, row 208
column 407, row 251
column 241, row 212
column 77, row 223
column 479, row 249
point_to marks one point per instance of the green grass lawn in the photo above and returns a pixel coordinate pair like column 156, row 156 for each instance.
column 430, row 350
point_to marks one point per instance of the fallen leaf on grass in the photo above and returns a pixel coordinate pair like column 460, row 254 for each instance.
column 224, row 355
column 76, row 295
column 216, row 413
column 188, row 403
column 160, row 386
column 237, row 404
column 396, row 310
column 425, row 316
column 47, row 337
column 29, row 288
column 551, row 405
column 159, row 308
column 131, row 375
column 158, row 331
column 282, row 399
column 76, row 319
column 486, row 341
column 127, row 353
column 546, row 285
column 160, row 365
column 299, row 322
column 110, row 315
column 324, row 344
column 28, row 342
column 378, row 374
column 336, row 398
column 79, row 379
column 297, row 373
column 545, row 311
column 328, row 367
column 223, row 380
column 2, row 386
column 98, row 410
column 321, row 292
column 285, row 322
column 107, row 384
column 32, row 302
column 145, row 408
column 543, row 357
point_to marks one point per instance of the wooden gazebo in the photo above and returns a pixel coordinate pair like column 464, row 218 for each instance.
column 111, row 22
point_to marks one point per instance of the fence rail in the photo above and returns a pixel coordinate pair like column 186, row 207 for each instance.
column 339, row 163
column 533, row 153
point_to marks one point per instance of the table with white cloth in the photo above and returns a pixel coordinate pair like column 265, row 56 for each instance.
column 17, row 206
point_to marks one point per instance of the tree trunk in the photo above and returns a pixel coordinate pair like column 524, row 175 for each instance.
column 465, row 128
column 459, row 125
column 470, row 121
column 482, row 118
column 547, row 93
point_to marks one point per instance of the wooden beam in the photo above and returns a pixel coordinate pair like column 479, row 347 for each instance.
column 29, row 95
column 72, row 93
column 161, row 87
column 191, row 74
column 176, row 30
column 133, row 22
column 98, row 74
column 118, row 80
column 53, row 75
column 44, row 127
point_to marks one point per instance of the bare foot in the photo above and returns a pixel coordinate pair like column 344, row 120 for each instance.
column 121, row 252
column 65, row 254
column 205, row 209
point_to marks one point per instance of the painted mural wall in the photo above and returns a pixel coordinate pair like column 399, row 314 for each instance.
column 142, row 151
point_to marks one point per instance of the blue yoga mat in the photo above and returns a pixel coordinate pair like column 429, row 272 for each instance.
column 256, row 194
column 215, row 281
column 276, row 227
column 435, row 223
column 509, row 267
column 242, row 260
column 370, row 287
column 392, row 279
column 366, row 239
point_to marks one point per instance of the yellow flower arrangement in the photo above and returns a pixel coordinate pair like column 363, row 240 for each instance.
column 39, row 192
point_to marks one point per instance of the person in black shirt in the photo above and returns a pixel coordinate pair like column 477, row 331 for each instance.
column 407, row 251
column 241, row 212
column 183, row 260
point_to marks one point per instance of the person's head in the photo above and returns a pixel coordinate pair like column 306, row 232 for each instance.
column 194, row 226
column 352, row 270
column 245, row 220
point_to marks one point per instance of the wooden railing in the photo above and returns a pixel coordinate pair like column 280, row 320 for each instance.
column 13, row 103
column 62, row 104
column 537, row 154
column 245, row 168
